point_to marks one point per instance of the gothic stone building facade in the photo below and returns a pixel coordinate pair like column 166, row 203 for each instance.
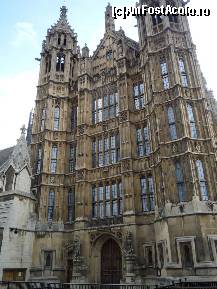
column 124, row 156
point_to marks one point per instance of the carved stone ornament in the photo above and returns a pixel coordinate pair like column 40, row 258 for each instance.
column 198, row 148
column 123, row 116
column 52, row 180
column 81, row 129
column 175, row 148
column 80, row 175
column 126, row 165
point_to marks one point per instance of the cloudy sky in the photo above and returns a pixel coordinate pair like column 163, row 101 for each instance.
column 23, row 26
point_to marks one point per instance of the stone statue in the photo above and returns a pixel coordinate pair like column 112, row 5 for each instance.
column 128, row 244
column 77, row 247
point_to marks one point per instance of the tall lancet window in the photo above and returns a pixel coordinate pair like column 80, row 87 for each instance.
column 143, row 141
column 138, row 93
column 53, row 165
column 172, row 123
column 43, row 118
column 39, row 160
column 202, row 181
column 164, row 73
column 60, row 62
column 71, row 206
column 51, row 203
column 147, row 193
column 192, row 122
column 183, row 73
column 180, row 182
column 56, row 118
column 74, row 117
column 72, row 158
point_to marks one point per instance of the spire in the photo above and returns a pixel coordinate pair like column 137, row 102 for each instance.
column 109, row 21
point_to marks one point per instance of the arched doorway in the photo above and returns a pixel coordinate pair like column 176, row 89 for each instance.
column 111, row 263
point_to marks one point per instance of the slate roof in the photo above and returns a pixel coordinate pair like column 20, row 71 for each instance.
column 5, row 155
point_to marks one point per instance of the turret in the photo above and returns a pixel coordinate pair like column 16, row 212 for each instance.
column 109, row 21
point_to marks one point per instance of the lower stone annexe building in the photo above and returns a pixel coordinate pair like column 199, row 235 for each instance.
column 123, row 154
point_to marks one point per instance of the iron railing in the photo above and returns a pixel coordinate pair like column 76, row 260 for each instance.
column 190, row 285
column 42, row 285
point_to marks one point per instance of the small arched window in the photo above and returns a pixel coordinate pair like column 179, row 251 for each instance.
column 172, row 123
column 60, row 62
column 202, row 181
column 56, row 118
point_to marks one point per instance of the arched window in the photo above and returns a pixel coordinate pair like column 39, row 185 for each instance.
column 202, row 181
column 107, row 200
column 180, row 182
column 43, row 118
column 59, row 39
column 138, row 93
column 164, row 73
column 47, row 64
column 71, row 205
column 39, row 160
column 51, row 203
column 64, row 42
column 72, row 158
column 53, row 165
column 183, row 73
column 192, row 122
column 143, row 141
column 172, row 123
column 74, row 117
column 172, row 18
column 56, row 117
column 147, row 193
column 60, row 62
column 156, row 19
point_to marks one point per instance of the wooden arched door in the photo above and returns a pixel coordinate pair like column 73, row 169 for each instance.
column 111, row 263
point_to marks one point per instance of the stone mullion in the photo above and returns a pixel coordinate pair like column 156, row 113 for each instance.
column 174, row 64
column 185, row 120
column 196, row 191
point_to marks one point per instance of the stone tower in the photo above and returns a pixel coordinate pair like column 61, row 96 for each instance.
column 124, row 156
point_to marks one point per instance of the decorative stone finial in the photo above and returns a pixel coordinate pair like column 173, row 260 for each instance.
column 23, row 130
column 63, row 12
